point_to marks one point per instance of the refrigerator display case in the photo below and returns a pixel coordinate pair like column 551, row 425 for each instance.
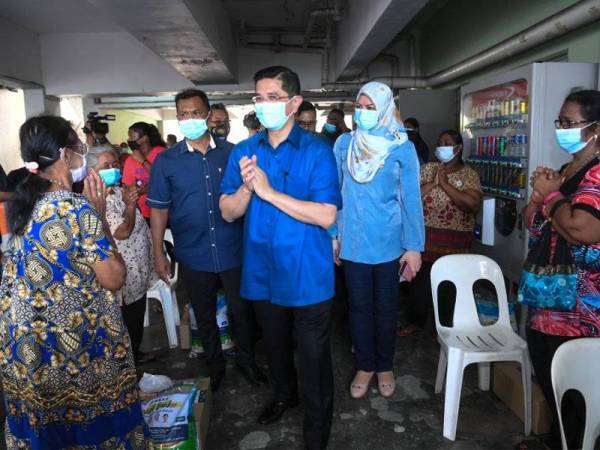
column 507, row 123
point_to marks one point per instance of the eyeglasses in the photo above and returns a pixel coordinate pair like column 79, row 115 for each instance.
column 195, row 114
column 80, row 149
column 565, row 123
column 272, row 98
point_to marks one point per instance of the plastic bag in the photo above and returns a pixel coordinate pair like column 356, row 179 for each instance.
column 150, row 384
column 170, row 418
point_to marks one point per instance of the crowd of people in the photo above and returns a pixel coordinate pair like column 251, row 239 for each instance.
column 268, row 220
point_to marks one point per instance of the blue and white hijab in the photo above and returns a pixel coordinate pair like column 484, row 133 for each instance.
column 369, row 148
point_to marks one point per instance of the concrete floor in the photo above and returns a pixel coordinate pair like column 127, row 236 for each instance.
column 412, row 418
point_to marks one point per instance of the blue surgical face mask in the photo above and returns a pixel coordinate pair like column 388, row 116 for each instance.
column 110, row 177
column 570, row 139
column 193, row 129
column 444, row 153
column 272, row 115
column 366, row 119
column 330, row 127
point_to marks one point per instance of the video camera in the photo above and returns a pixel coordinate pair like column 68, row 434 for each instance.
column 97, row 124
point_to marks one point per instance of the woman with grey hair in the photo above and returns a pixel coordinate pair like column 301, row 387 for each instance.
column 132, row 237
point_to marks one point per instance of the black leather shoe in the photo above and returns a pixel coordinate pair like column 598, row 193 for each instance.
column 143, row 358
column 216, row 377
column 274, row 410
column 252, row 374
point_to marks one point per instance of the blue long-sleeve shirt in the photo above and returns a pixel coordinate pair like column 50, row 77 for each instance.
column 383, row 218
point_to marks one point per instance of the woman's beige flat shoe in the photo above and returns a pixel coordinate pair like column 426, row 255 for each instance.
column 360, row 384
column 386, row 383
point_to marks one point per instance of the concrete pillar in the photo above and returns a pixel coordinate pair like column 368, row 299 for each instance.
column 34, row 101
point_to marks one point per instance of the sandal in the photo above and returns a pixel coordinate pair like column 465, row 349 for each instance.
column 386, row 383
column 359, row 389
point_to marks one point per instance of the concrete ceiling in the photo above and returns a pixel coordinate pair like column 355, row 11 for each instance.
column 365, row 32
column 269, row 13
column 57, row 16
column 194, row 36
column 203, row 39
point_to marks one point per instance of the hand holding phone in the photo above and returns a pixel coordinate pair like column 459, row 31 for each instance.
column 405, row 273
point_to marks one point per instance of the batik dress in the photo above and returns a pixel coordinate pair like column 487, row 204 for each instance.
column 67, row 368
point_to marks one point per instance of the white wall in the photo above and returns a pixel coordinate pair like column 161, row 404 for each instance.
column 435, row 109
column 20, row 55
column 104, row 63
column 12, row 116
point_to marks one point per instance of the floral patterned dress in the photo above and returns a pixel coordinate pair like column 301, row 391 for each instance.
column 67, row 368
column 584, row 319
column 448, row 230
column 136, row 250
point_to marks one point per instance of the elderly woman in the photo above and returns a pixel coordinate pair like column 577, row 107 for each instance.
column 380, row 229
column 132, row 237
column 67, row 369
column 570, row 201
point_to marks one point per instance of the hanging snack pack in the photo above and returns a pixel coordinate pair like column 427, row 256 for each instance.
column 222, row 323
column 170, row 418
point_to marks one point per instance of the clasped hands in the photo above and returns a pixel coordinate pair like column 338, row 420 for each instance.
column 254, row 179
column 544, row 181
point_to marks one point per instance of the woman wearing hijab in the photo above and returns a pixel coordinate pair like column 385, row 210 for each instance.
column 380, row 230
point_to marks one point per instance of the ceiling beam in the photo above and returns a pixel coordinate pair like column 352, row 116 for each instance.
column 366, row 32
column 194, row 37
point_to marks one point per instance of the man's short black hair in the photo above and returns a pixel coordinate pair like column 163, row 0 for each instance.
column 306, row 107
column 219, row 107
column 169, row 136
column 337, row 112
column 412, row 122
column 251, row 122
column 190, row 93
column 290, row 82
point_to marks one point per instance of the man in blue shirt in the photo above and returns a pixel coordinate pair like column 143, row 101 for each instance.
column 284, row 181
column 184, row 189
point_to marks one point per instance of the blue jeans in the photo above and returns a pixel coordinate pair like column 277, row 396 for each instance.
column 373, row 297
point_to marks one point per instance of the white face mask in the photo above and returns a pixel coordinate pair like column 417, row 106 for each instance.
column 78, row 174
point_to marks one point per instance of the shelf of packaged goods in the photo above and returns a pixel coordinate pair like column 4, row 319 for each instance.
column 513, row 122
column 519, row 162
column 503, row 193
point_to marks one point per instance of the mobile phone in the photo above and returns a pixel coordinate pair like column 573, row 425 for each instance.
column 401, row 272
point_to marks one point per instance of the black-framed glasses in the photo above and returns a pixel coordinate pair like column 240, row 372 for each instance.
column 272, row 98
column 565, row 123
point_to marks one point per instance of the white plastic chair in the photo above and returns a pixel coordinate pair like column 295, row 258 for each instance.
column 167, row 297
column 576, row 365
column 467, row 341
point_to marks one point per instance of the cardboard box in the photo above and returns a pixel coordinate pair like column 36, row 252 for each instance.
column 509, row 388
column 202, row 408
column 202, row 411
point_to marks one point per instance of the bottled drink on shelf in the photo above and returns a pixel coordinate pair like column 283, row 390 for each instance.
column 523, row 107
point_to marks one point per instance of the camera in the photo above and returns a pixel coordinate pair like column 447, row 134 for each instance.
column 97, row 124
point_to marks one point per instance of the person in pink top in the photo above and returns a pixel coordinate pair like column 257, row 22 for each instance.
column 146, row 144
